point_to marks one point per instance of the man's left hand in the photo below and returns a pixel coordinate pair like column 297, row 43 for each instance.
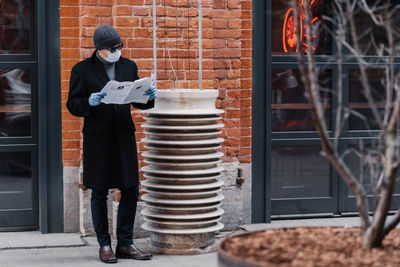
column 151, row 92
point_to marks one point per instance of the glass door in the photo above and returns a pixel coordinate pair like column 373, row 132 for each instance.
column 302, row 180
column 18, row 116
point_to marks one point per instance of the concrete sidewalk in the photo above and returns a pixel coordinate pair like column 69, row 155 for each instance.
column 35, row 249
column 19, row 240
column 86, row 254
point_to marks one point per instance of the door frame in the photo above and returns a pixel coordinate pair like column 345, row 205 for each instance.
column 51, row 213
column 261, row 98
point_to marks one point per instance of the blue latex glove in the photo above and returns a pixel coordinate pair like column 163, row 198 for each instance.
column 95, row 98
column 151, row 92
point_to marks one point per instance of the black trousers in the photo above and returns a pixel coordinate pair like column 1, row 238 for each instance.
column 126, row 216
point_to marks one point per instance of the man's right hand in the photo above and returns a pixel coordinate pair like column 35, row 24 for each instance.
column 95, row 98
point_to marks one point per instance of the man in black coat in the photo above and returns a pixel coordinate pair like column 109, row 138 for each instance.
column 109, row 145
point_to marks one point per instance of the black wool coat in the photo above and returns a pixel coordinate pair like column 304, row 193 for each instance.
column 109, row 145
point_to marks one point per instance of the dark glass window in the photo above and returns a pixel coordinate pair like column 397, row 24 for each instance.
column 299, row 172
column 290, row 109
column 15, row 27
column 284, row 28
column 360, row 171
column 363, row 119
column 371, row 37
column 15, row 102
column 367, row 172
column 15, row 180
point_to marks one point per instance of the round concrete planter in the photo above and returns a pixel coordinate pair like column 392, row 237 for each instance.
column 226, row 259
column 305, row 246
column 183, row 196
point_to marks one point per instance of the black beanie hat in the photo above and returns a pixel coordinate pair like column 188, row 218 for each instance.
column 106, row 36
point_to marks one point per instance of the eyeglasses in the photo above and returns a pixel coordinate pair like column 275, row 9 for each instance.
column 114, row 48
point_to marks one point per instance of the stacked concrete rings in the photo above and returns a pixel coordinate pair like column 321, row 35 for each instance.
column 183, row 191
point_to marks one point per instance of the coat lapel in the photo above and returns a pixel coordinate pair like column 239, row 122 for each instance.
column 119, row 71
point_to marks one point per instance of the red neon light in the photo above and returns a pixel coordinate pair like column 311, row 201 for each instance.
column 289, row 34
column 289, row 37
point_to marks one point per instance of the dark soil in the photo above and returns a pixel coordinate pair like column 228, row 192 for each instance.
column 312, row 247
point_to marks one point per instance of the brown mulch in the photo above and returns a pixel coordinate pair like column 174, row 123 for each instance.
column 323, row 246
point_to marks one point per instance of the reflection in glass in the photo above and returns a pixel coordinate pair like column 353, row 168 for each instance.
column 284, row 28
column 15, row 180
column 372, row 37
column 299, row 172
column 290, row 110
column 364, row 119
column 14, row 27
column 15, row 102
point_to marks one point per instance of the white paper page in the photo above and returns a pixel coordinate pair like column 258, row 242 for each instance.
column 136, row 93
column 126, row 92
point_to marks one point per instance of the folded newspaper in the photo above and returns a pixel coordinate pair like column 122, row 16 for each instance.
column 126, row 92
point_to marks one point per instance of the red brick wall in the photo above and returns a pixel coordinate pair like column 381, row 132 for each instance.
column 70, row 54
column 226, row 57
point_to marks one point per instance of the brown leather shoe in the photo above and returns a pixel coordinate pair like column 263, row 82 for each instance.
column 107, row 255
column 132, row 252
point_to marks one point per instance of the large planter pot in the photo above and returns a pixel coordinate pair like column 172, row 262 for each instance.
column 227, row 259
column 182, row 183
column 306, row 246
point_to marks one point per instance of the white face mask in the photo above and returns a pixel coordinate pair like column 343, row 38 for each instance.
column 113, row 57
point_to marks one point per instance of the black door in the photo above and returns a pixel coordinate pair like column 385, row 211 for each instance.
column 18, row 116
column 302, row 181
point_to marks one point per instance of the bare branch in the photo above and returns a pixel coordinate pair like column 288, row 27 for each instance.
column 311, row 84
column 390, row 75
column 361, row 117
column 173, row 70
column 391, row 148
column 364, row 77
column 350, row 151
column 380, row 158
column 378, row 20
column 341, row 38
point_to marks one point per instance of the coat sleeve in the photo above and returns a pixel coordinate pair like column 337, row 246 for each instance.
column 78, row 96
column 150, row 103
